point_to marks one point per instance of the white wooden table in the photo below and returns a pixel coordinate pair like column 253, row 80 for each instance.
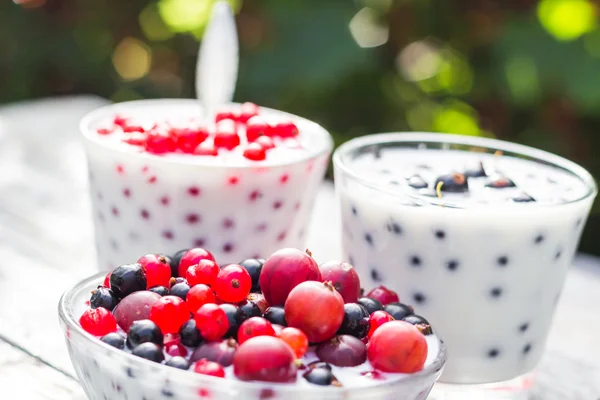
column 46, row 245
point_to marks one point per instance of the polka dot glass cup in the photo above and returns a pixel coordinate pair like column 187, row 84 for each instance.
column 488, row 278
column 234, row 207
column 107, row 373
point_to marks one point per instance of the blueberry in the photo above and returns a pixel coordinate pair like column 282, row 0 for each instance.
column 398, row 310
column 143, row 331
column 115, row 340
column 250, row 308
column 370, row 304
column 103, row 297
column 253, row 266
column 477, row 172
column 452, row 183
column 421, row 323
column 149, row 351
column 189, row 334
column 180, row 290
column 319, row 376
column 161, row 290
column 235, row 316
column 523, row 198
column 416, row 182
column 356, row 321
column 275, row 315
column 127, row 279
column 174, row 262
column 178, row 362
column 500, row 182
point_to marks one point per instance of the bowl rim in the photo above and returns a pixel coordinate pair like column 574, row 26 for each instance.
column 540, row 156
column 73, row 327
column 88, row 121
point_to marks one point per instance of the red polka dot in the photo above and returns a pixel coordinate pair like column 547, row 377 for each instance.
column 256, row 255
column 281, row 236
column 277, row 205
column 233, row 180
column 255, row 195
column 115, row 211
column 297, row 206
column 100, row 196
column 194, row 191
column 145, row 169
column 127, row 193
column 199, row 242
column 152, row 180
column 120, row 169
column 310, row 166
column 168, row 235
column 192, row 218
column 228, row 223
column 165, row 200
column 284, row 178
column 145, row 214
column 227, row 248
column 261, row 227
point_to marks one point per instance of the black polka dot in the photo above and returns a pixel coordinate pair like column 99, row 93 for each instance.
column 493, row 353
column 558, row 254
column 377, row 151
column 167, row 392
column 524, row 327
column 440, row 234
column 354, row 211
column 395, row 228
column 539, row 239
column 415, row 261
column 502, row 261
column 527, row 348
column 452, row 265
column 351, row 259
column 394, row 182
column 369, row 238
column 130, row 372
column 496, row 292
column 419, row 298
column 578, row 222
column 375, row 275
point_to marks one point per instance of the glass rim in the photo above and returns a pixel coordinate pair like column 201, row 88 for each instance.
column 94, row 344
column 453, row 139
column 88, row 120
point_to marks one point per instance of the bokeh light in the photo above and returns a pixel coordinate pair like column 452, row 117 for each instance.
column 153, row 25
column 455, row 116
column 522, row 79
column 188, row 15
column 367, row 30
column 132, row 59
column 567, row 19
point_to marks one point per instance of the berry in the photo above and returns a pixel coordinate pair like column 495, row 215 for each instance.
column 169, row 313
column 377, row 319
column 344, row 278
column 371, row 305
column 160, row 290
column 500, row 182
column 127, row 279
column 255, row 152
column 343, row 351
column 398, row 310
column 149, row 351
column 277, row 328
column 266, row 142
column 420, row 323
column 212, row 322
column 283, row 271
column 286, row 129
column 157, row 269
column 296, row 339
column 174, row 262
column 106, row 282
column 98, row 321
column 384, row 295
column 255, row 326
column 198, row 296
column 397, row 347
column 206, row 149
column 192, row 257
column 235, row 316
column 452, row 183
column 253, row 266
column 259, row 300
column 103, row 297
column 320, row 376
column 175, row 281
column 188, row 139
column 205, row 272
column 178, row 362
column 275, row 315
column 256, row 128
column 114, row 339
column 326, row 307
column 221, row 352
column 248, row 110
column 176, row 350
column 180, row 290
column 189, row 334
column 233, row 284
column 227, row 140
column 160, row 144
column 223, row 115
column 211, row 368
column 356, row 321
column 135, row 307
column 250, row 309
column 265, row 358
column 143, row 331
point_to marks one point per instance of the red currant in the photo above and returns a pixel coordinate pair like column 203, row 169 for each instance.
column 248, row 111
column 171, row 339
column 296, row 339
column 227, row 140
column 98, row 321
column 188, row 139
column 255, row 326
column 120, row 121
column 377, row 319
column 255, row 152
column 206, row 149
column 136, row 139
column 265, row 358
column 193, row 257
column 198, row 296
column 398, row 346
column 157, row 268
column 256, row 128
column 384, row 295
column 286, row 129
column 205, row 272
column 206, row 367
column 133, row 128
column 233, row 284
column 104, row 131
column 212, row 322
column 175, row 350
column 223, row 115
column 160, row 144
column 266, row 142
column 107, row 280
column 169, row 313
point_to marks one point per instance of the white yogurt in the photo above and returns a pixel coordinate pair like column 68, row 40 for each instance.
column 486, row 271
column 236, row 207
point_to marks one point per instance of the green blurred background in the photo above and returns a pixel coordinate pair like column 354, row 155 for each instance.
column 520, row 70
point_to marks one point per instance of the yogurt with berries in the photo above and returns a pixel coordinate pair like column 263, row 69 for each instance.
column 477, row 233
column 163, row 176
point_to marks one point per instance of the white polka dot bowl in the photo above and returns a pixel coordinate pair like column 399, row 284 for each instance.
column 237, row 207
column 483, row 254
column 107, row 373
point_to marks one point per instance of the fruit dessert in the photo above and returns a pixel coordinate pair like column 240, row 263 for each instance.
column 285, row 322
column 163, row 176
column 479, row 227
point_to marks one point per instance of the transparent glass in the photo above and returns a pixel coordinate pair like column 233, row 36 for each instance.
column 489, row 340
column 108, row 373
